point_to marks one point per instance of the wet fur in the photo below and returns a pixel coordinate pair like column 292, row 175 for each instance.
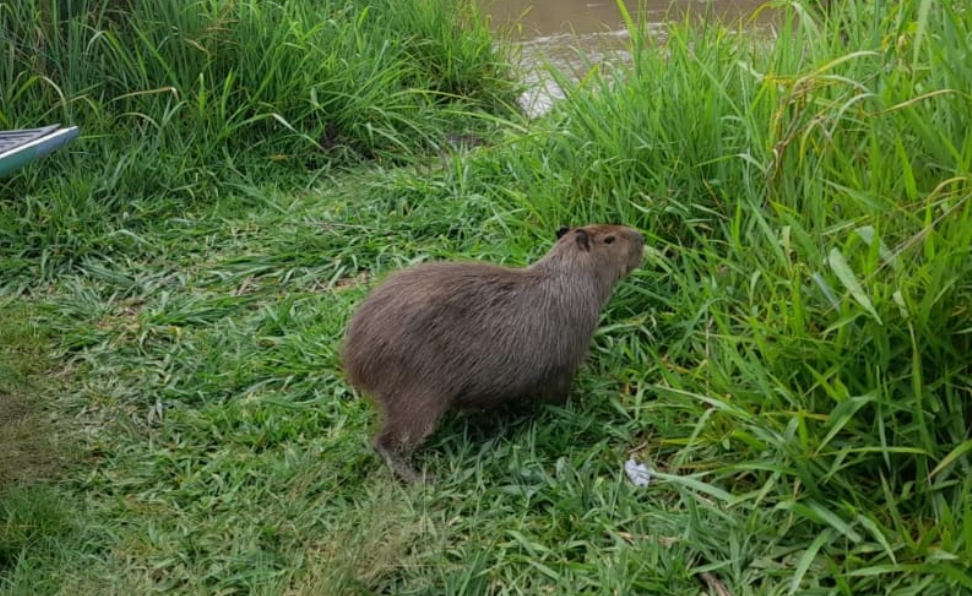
column 474, row 335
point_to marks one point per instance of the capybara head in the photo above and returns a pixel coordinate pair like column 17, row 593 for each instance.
column 612, row 251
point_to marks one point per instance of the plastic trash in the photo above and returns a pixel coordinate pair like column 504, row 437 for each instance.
column 640, row 474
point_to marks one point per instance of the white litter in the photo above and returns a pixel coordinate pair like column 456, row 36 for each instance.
column 640, row 474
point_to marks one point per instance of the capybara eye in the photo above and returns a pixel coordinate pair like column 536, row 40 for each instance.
column 609, row 240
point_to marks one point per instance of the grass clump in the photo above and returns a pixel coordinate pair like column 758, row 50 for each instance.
column 792, row 359
column 178, row 101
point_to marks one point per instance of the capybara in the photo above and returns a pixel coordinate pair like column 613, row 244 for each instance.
column 477, row 335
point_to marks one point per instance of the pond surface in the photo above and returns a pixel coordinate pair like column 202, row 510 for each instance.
column 551, row 31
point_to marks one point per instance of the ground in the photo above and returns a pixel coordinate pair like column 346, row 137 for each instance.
column 792, row 358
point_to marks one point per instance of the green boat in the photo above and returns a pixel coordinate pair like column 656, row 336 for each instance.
column 20, row 147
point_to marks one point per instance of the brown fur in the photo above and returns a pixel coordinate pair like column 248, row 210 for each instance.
column 457, row 335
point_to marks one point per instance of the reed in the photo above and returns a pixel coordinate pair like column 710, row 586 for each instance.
column 177, row 100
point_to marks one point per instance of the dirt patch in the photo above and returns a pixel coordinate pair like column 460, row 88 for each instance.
column 26, row 442
column 349, row 283
column 378, row 538
column 26, row 432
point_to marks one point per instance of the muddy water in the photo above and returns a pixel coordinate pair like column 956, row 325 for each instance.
column 539, row 18
column 551, row 31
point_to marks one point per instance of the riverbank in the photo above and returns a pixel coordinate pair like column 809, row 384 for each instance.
column 181, row 103
column 792, row 358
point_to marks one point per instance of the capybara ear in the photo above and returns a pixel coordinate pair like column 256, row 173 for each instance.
column 583, row 239
column 563, row 230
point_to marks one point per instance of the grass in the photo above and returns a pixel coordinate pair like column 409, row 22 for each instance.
column 181, row 102
column 35, row 522
column 792, row 359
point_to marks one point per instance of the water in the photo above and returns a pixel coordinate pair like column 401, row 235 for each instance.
column 540, row 18
column 552, row 31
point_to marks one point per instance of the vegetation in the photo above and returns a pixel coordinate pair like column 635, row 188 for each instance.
column 184, row 102
column 793, row 359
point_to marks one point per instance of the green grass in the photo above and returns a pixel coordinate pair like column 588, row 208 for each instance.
column 35, row 519
column 793, row 357
column 182, row 102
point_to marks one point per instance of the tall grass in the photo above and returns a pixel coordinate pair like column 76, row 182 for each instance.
column 801, row 347
column 176, row 100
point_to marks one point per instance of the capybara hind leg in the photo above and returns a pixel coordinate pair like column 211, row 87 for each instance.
column 396, row 460
column 403, row 431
